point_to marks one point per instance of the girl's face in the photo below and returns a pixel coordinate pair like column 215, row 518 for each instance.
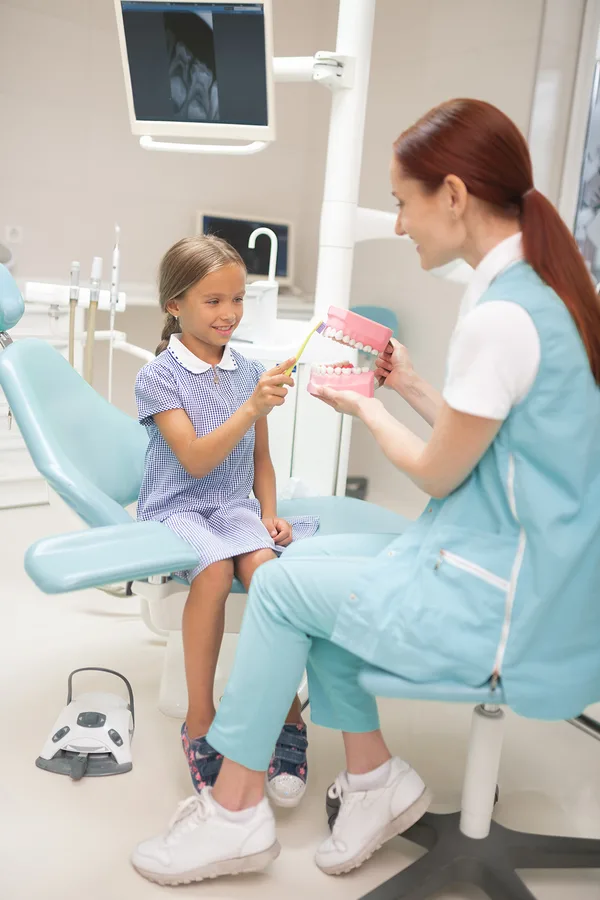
column 434, row 221
column 212, row 309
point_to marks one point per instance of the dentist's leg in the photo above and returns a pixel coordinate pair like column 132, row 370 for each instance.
column 291, row 603
column 245, row 567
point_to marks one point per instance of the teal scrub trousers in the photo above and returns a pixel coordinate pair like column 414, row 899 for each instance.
column 290, row 616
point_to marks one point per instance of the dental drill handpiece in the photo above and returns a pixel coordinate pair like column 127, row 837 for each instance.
column 73, row 301
column 95, row 279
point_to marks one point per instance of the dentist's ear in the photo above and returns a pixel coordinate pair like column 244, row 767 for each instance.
column 457, row 195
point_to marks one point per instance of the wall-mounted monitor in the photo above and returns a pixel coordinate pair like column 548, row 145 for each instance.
column 197, row 69
column 237, row 230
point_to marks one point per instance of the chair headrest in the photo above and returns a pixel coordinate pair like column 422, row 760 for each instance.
column 11, row 302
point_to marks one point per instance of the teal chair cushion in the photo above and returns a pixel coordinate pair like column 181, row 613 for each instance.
column 11, row 302
column 90, row 452
column 139, row 549
column 384, row 684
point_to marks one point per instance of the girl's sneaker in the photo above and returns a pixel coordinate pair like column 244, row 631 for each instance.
column 203, row 760
column 288, row 769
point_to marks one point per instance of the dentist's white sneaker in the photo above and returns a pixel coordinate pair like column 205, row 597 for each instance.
column 201, row 842
column 367, row 819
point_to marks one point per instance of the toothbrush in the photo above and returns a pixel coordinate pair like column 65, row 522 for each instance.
column 114, row 296
column 95, row 279
column 319, row 329
column 73, row 300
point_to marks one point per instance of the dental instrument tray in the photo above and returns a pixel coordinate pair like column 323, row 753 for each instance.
column 92, row 735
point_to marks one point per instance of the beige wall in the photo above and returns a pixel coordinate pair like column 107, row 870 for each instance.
column 69, row 167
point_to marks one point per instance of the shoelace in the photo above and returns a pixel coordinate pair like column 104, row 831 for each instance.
column 188, row 814
column 338, row 788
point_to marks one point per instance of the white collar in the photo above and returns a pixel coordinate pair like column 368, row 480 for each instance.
column 503, row 255
column 193, row 363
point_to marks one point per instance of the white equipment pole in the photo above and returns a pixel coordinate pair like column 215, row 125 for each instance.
column 337, row 239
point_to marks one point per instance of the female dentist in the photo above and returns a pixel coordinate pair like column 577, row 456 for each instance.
column 496, row 580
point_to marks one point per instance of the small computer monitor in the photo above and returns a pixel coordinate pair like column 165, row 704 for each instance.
column 198, row 69
column 236, row 231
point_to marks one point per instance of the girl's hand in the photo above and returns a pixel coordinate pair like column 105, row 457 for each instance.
column 349, row 402
column 270, row 390
column 394, row 367
column 279, row 529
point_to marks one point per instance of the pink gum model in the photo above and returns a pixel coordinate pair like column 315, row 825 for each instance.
column 359, row 333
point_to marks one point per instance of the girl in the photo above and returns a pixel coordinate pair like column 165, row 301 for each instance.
column 205, row 408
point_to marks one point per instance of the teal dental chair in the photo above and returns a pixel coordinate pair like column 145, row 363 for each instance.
column 92, row 455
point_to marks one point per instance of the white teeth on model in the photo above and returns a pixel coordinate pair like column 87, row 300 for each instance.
column 346, row 339
column 339, row 335
column 346, row 371
column 368, row 348
column 352, row 342
column 330, row 370
column 359, row 346
column 375, row 352
column 338, row 370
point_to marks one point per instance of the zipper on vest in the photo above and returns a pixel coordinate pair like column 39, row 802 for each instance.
column 514, row 577
column 458, row 562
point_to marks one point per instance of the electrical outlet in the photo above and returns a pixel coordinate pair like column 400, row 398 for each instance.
column 13, row 234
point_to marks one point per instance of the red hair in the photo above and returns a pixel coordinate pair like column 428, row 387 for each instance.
column 480, row 145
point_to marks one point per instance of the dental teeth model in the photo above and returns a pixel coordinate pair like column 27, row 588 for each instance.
column 350, row 330
column 343, row 377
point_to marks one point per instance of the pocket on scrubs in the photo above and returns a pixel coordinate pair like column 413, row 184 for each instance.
column 455, row 609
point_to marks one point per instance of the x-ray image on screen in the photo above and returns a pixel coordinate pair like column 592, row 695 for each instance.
column 192, row 67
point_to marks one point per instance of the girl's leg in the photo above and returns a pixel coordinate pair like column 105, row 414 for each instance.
column 203, row 625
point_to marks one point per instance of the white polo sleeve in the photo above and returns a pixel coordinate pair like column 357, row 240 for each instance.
column 493, row 361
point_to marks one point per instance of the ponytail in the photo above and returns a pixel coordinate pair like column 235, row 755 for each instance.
column 551, row 250
column 480, row 145
column 171, row 326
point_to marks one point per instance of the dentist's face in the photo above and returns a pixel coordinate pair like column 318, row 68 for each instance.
column 434, row 221
column 212, row 308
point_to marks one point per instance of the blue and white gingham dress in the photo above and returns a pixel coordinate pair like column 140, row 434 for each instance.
column 216, row 513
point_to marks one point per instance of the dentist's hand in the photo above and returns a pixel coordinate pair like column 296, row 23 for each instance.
column 279, row 529
column 271, row 389
column 349, row 402
column 394, row 367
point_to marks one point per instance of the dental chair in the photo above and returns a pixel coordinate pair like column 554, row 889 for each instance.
column 92, row 455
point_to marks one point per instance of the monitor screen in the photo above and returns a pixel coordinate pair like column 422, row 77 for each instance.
column 191, row 64
column 237, row 233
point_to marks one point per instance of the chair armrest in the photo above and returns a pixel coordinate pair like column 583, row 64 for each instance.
column 70, row 562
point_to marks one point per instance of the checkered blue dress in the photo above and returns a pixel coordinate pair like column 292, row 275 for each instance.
column 215, row 514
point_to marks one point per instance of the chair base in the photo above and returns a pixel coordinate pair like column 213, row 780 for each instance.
column 489, row 864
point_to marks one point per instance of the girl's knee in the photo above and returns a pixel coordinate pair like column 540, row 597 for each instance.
column 218, row 573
